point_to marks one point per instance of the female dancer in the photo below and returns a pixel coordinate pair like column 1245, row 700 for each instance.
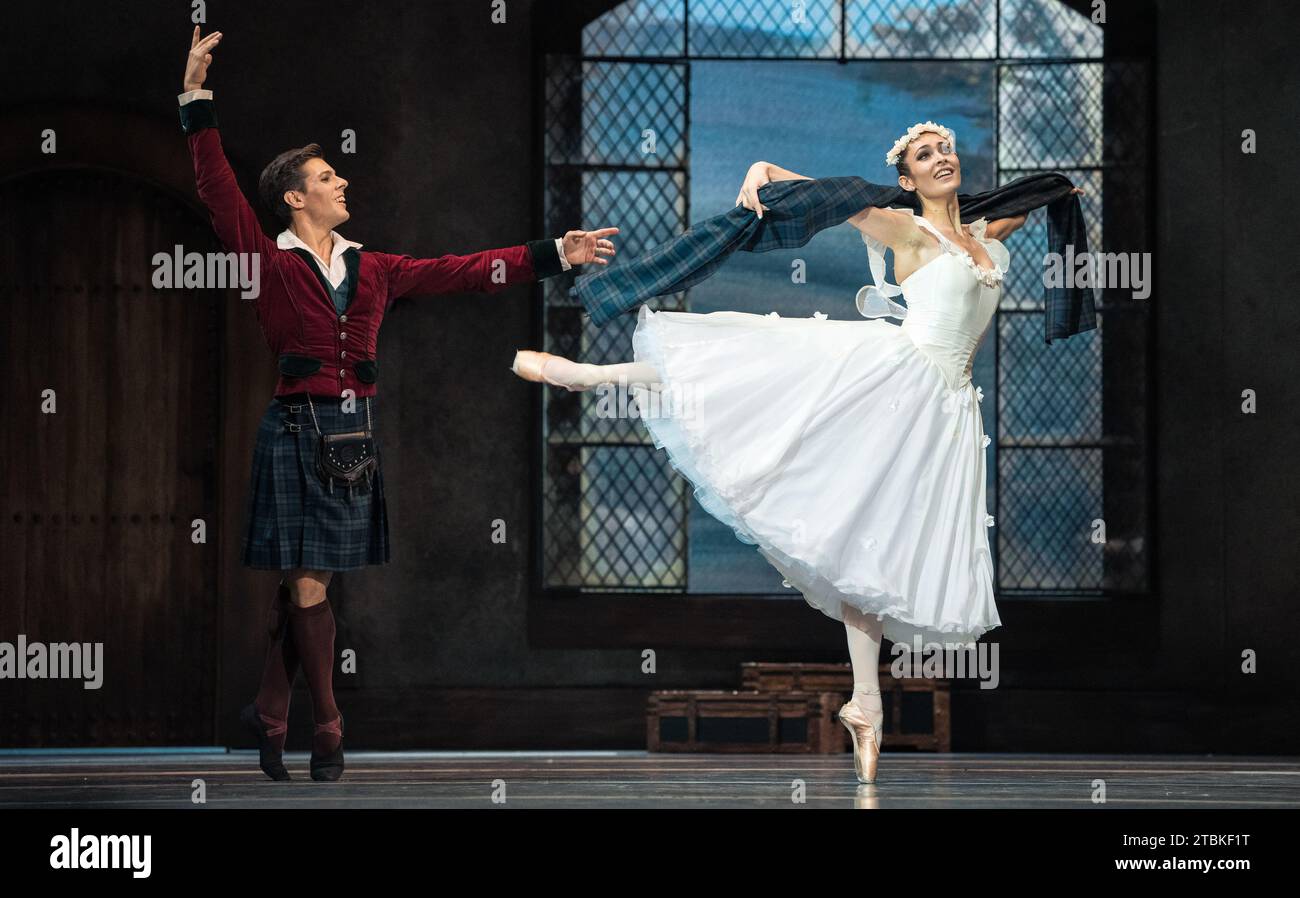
column 850, row 453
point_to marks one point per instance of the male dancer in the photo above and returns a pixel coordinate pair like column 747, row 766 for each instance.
column 320, row 308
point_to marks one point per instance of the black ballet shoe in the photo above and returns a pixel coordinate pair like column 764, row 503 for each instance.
column 330, row 767
column 270, row 760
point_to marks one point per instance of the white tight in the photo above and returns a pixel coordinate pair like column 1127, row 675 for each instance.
column 864, row 634
column 586, row 374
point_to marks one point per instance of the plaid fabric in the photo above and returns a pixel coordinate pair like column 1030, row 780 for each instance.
column 799, row 209
column 293, row 519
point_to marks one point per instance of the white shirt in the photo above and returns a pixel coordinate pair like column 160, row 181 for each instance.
column 335, row 270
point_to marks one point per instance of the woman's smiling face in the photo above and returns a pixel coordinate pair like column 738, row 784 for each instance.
column 933, row 168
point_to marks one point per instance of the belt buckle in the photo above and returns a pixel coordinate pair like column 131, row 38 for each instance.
column 292, row 428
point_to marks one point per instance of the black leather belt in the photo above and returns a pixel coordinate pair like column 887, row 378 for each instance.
column 294, row 404
column 293, row 409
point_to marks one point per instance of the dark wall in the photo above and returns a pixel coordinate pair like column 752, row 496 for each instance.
column 442, row 101
column 1229, row 484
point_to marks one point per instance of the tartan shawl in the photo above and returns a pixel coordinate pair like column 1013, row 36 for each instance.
column 798, row 209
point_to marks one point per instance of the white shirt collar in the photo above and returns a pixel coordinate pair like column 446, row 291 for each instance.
column 335, row 270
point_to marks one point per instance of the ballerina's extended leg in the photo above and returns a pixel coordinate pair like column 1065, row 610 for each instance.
column 542, row 367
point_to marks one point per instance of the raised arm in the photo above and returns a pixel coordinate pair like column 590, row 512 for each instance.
column 759, row 174
column 892, row 227
column 1001, row 228
column 233, row 218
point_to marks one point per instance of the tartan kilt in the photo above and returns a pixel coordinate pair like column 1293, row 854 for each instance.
column 293, row 520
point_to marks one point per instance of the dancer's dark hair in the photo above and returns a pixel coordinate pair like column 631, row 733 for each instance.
column 285, row 173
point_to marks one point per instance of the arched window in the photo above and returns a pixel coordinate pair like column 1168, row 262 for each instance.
column 655, row 123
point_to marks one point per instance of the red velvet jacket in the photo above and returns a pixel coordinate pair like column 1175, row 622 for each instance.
column 320, row 351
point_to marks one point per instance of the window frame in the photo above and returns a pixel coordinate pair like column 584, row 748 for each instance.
column 583, row 618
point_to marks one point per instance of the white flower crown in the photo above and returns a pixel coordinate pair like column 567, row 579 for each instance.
column 900, row 145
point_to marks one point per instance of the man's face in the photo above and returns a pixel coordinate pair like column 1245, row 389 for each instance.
column 322, row 197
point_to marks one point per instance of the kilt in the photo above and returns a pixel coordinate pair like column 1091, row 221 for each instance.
column 293, row 520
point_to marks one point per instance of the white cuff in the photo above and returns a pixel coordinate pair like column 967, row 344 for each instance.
column 197, row 94
column 559, row 248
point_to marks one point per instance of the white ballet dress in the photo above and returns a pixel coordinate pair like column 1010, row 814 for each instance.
column 851, row 453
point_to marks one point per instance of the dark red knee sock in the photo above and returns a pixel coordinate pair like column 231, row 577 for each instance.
column 313, row 635
column 279, row 670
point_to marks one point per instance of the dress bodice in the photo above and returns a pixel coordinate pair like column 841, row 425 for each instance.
column 950, row 299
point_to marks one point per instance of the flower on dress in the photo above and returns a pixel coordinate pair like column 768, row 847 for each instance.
column 979, row 394
column 869, row 542
column 954, row 399
column 988, row 520
column 820, row 316
column 773, row 315
column 893, row 406
column 987, row 440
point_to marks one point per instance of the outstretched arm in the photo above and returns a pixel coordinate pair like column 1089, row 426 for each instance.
column 483, row 272
column 892, row 227
column 493, row 270
column 1001, row 228
column 233, row 218
column 759, row 174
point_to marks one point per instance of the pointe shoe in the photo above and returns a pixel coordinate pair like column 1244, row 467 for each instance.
column 531, row 365
column 866, row 744
column 329, row 768
column 270, row 760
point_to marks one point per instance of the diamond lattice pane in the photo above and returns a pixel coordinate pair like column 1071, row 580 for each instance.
column 1050, row 116
column 910, row 29
column 791, row 29
column 637, row 28
column 1048, row 28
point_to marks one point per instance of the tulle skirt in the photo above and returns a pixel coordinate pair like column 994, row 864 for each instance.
column 839, row 450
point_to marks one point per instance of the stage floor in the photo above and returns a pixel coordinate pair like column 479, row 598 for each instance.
column 134, row 779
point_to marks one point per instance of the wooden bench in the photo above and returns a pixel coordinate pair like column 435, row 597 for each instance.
column 791, row 708
column 729, row 720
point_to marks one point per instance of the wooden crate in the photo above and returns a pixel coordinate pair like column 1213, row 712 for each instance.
column 771, row 677
column 796, row 722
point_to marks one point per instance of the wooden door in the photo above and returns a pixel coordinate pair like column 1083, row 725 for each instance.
column 100, row 495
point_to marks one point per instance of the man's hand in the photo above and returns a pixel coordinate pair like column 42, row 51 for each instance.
column 196, row 65
column 581, row 247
